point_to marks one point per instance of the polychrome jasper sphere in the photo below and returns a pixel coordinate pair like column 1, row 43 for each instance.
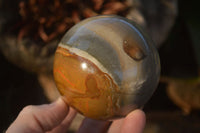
column 106, row 66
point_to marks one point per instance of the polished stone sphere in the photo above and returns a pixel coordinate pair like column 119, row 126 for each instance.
column 106, row 66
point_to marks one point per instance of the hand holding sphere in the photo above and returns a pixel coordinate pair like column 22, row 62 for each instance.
column 106, row 66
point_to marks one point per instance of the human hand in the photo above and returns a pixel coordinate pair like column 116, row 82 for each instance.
column 57, row 117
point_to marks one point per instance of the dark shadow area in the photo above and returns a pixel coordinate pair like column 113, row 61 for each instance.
column 18, row 89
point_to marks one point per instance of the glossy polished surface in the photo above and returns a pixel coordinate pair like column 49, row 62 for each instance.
column 105, row 67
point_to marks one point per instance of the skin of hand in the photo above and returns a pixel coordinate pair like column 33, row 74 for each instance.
column 57, row 117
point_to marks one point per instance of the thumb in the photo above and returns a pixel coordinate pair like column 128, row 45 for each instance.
column 39, row 118
column 134, row 122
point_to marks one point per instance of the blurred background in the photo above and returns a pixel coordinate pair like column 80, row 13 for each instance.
column 29, row 35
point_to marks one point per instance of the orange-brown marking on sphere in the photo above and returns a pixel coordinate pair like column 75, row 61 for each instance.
column 87, row 106
column 91, row 86
column 65, row 78
column 59, row 50
column 89, row 90
column 134, row 51
column 110, row 103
